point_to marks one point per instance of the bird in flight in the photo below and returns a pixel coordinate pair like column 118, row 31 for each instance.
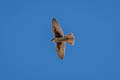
column 60, row 39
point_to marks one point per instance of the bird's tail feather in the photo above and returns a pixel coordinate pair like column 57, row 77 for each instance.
column 70, row 39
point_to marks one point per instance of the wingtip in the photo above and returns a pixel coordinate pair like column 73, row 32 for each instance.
column 62, row 58
column 53, row 19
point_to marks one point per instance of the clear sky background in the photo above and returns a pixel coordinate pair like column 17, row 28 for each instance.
column 26, row 52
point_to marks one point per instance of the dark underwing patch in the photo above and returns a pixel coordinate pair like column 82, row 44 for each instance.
column 57, row 34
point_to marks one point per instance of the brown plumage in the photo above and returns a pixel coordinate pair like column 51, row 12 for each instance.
column 60, row 39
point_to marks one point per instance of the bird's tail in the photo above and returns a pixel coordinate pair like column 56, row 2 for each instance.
column 70, row 38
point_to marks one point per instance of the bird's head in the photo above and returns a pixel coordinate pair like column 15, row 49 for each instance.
column 53, row 40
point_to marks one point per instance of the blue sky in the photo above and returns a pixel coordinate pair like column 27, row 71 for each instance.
column 26, row 52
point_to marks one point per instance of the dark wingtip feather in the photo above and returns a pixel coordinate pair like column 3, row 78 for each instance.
column 54, row 19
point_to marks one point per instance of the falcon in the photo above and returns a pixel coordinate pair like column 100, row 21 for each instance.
column 60, row 39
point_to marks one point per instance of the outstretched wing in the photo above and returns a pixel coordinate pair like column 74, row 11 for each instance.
column 56, row 29
column 60, row 48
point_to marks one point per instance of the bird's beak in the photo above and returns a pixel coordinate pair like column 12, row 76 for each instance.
column 52, row 40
